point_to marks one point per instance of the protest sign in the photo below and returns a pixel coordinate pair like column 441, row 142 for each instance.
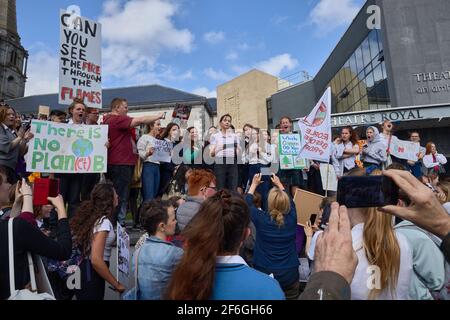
column 406, row 150
column 329, row 178
column 65, row 148
column 306, row 203
column 123, row 256
column 316, row 131
column 182, row 112
column 44, row 111
column 163, row 151
column 288, row 149
column 80, row 60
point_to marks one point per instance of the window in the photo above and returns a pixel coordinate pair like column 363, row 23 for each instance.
column 373, row 43
column 359, row 60
column 366, row 52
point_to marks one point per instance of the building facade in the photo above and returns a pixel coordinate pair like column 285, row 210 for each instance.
column 13, row 57
column 244, row 98
column 399, row 72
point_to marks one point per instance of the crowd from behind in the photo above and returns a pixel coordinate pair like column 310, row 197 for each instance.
column 221, row 223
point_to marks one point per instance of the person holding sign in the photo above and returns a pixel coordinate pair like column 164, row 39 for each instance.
column 433, row 161
column 150, row 171
column 292, row 179
column 122, row 153
column 70, row 183
column 225, row 149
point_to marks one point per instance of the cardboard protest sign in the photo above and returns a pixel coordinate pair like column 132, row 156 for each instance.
column 44, row 111
column 163, row 151
column 80, row 73
column 329, row 183
column 316, row 131
column 289, row 146
column 123, row 256
column 306, row 203
column 65, row 148
column 405, row 149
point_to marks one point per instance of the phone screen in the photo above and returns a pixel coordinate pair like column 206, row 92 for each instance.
column 313, row 218
column 367, row 192
column 266, row 172
column 325, row 216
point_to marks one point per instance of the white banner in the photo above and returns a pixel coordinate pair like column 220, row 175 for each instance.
column 316, row 131
column 67, row 148
column 80, row 73
column 406, row 150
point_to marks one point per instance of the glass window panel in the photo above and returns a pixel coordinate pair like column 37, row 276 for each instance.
column 383, row 67
column 357, row 106
column 359, row 59
column 343, row 80
column 369, row 81
column 362, row 88
column 373, row 43
column 378, row 74
column 364, row 103
column 366, row 52
column 355, row 93
column 353, row 68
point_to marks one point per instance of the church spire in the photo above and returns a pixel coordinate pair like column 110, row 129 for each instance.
column 8, row 17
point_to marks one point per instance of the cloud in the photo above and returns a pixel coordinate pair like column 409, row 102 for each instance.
column 204, row 92
column 328, row 15
column 277, row 64
column 214, row 37
column 278, row 20
column 217, row 75
column 135, row 34
column 42, row 73
column 232, row 56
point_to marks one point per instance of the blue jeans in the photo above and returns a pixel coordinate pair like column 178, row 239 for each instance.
column 150, row 181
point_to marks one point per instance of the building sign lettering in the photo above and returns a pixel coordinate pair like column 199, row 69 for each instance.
column 428, row 81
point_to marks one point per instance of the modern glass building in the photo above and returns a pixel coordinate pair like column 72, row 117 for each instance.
column 399, row 72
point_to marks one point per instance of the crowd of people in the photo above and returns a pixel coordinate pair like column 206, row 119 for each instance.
column 219, row 218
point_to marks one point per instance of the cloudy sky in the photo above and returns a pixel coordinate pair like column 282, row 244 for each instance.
column 191, row 45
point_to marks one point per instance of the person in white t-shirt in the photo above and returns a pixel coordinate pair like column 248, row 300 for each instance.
column 385, row 264
column 94, row 235
column 225, row 149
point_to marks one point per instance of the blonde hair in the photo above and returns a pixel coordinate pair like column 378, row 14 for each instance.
column 279, row 205
column 381, row 248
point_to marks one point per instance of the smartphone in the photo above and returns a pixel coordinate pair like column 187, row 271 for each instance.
column 313, row 218
column 367, row 192
column 26, row 125
column 44, row 188
column 325, row 216
column 164, row 117
column 266, row 172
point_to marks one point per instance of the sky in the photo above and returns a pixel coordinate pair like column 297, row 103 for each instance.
column 190, row 45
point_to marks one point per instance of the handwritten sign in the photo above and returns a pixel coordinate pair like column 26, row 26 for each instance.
column 289, row 146
column 405, row 149
column 316, row 131
column 123, row 256
column 65, row 148
column 163, row 151
column 80, row 60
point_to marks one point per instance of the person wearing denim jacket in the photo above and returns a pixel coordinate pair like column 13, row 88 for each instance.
column 157, row 258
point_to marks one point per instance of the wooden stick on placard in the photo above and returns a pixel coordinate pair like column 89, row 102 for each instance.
column 328, row 173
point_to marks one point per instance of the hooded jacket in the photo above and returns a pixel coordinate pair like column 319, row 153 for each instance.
column 375, row 152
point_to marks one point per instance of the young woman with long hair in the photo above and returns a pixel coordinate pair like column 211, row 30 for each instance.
column 434, row 161
column 347, row 150
column 150, row 171
column 94, row 236
column 192, row 149
column 171, row 136
column 211, row 268
column 384, row 255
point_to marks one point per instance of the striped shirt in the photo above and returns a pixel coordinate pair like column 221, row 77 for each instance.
column 226, row 144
